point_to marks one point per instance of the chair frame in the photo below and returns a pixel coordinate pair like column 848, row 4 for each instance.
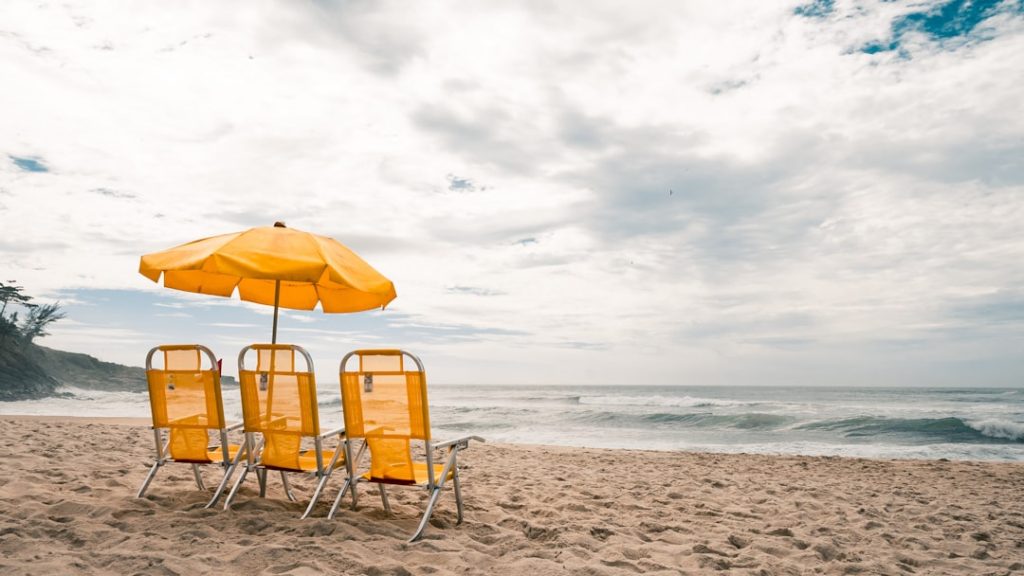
column 433, row 485
column 253, row 461
column 227, row 462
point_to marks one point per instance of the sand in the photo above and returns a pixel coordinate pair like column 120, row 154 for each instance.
column 67, row 506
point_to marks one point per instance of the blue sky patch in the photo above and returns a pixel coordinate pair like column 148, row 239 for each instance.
column 29, row 163
column 122, row 325
column 953, row 19
column 456, row 184
column 816, row 9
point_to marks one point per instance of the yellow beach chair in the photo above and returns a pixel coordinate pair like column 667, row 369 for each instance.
column 385, row 403
column 186, row 401
column 280, row 407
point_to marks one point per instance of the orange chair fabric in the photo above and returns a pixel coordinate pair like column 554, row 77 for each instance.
column 186, row 399
column 280, row 403
column 386, row 404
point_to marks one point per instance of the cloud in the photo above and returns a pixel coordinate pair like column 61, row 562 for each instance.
column 997, row 311
column 173, row 315
column 112, row 193
column 382, row 34
column 474, row 291
column 242, row 325
column 486, row 134
column 456, row 184
column 718, row 199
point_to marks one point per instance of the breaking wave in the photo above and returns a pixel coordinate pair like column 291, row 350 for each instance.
column 960, row 423
column 949, row 429
column 996, row 428
column 656, row 400
column 750, row 421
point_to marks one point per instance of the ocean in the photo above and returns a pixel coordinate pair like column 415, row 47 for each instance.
column 968, row 423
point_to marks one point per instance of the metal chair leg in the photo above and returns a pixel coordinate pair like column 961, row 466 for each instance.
column 220, row 488
column 426, row 515
column 149, row 478
column 384, row 498
column 337, row 501
column 199, row 477
column 287, row 487
column 458, row 496
column 234, row 489
column 261, row 475
column 316, row 494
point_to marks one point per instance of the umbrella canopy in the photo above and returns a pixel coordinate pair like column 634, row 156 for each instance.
column 273, row 265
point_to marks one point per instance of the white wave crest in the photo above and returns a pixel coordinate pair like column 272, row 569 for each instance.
column 996, row 428
column 673, row 401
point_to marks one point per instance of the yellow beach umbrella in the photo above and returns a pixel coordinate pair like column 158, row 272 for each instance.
column 273, row 265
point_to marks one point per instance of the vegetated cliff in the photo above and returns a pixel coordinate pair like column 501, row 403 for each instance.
column 30, row 371
column 21, row 377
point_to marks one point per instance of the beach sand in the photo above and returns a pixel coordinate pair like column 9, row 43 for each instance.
column 67, row 506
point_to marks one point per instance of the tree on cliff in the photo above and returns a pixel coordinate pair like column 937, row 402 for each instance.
column 38, row 316
column 29, row 371
column 11, row 294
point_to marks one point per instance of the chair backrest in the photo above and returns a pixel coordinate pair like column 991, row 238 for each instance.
column 279, row 401
column 185, row 398
column 384, row 396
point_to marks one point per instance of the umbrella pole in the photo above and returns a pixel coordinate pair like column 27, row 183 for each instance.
column 277, row 299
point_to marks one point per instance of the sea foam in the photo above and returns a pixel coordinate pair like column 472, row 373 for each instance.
column 997, row 428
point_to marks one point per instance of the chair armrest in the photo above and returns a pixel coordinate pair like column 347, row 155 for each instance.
column 187, row 420
column 268, row 423
column 235, row 426
column 335, row 432
column 460, row 442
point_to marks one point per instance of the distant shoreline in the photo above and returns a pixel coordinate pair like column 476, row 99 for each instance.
column 548, row 448
column 970, row 425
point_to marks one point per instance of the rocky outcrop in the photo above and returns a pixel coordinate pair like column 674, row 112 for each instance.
column 28, row 371
column 84, row 371
column 21, row 377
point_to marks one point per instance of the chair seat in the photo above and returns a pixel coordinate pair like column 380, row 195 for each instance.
column 307, row 460
column 419, row 471
column 216, row 455
column 213, row 455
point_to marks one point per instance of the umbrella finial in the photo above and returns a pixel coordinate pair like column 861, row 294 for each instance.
column 279, row 224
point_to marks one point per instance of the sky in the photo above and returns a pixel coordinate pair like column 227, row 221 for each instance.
column 678, row 192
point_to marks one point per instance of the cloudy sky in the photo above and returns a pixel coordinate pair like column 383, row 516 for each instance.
column 678, row 192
